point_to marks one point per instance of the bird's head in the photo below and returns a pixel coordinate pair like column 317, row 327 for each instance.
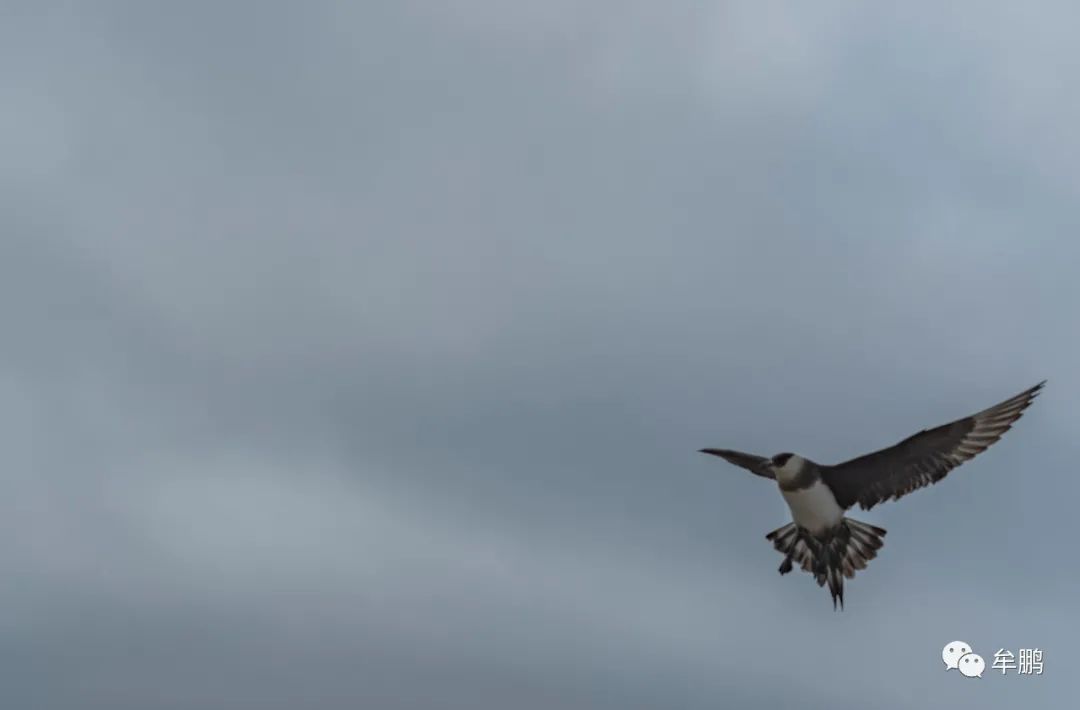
column 786, row 466
column 780, row 460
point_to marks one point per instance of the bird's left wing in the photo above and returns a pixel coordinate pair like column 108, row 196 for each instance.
column 924, row 458
column 758, row 465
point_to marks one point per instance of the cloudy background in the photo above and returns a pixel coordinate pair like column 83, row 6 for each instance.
column 356, row 355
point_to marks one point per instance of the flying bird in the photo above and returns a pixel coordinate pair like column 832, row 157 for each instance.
column 831, row 546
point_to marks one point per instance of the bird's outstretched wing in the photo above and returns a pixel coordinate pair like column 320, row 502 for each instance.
column 924, row 458
column 755, row 464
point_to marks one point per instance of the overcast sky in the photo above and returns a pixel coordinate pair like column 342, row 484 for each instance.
column 357, row 355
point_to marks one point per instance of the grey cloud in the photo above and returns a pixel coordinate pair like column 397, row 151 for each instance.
column 359, row 355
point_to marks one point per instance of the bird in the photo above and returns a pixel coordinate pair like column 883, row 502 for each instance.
column 821, row 539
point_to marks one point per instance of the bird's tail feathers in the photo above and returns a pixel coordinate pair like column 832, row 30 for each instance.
column 832, row 557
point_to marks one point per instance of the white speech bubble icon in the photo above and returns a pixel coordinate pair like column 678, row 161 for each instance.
column 952, row 652
column 971, row 665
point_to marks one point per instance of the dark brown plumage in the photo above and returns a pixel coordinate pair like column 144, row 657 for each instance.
column 755, row 464
column 924, row 458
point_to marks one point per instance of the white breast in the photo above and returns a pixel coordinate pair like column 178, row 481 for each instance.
column 814, row 508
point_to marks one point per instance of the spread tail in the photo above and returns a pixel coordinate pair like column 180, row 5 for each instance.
column 829, row 557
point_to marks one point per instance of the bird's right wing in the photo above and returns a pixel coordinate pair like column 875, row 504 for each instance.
column 758, row 465
column 924, row 458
